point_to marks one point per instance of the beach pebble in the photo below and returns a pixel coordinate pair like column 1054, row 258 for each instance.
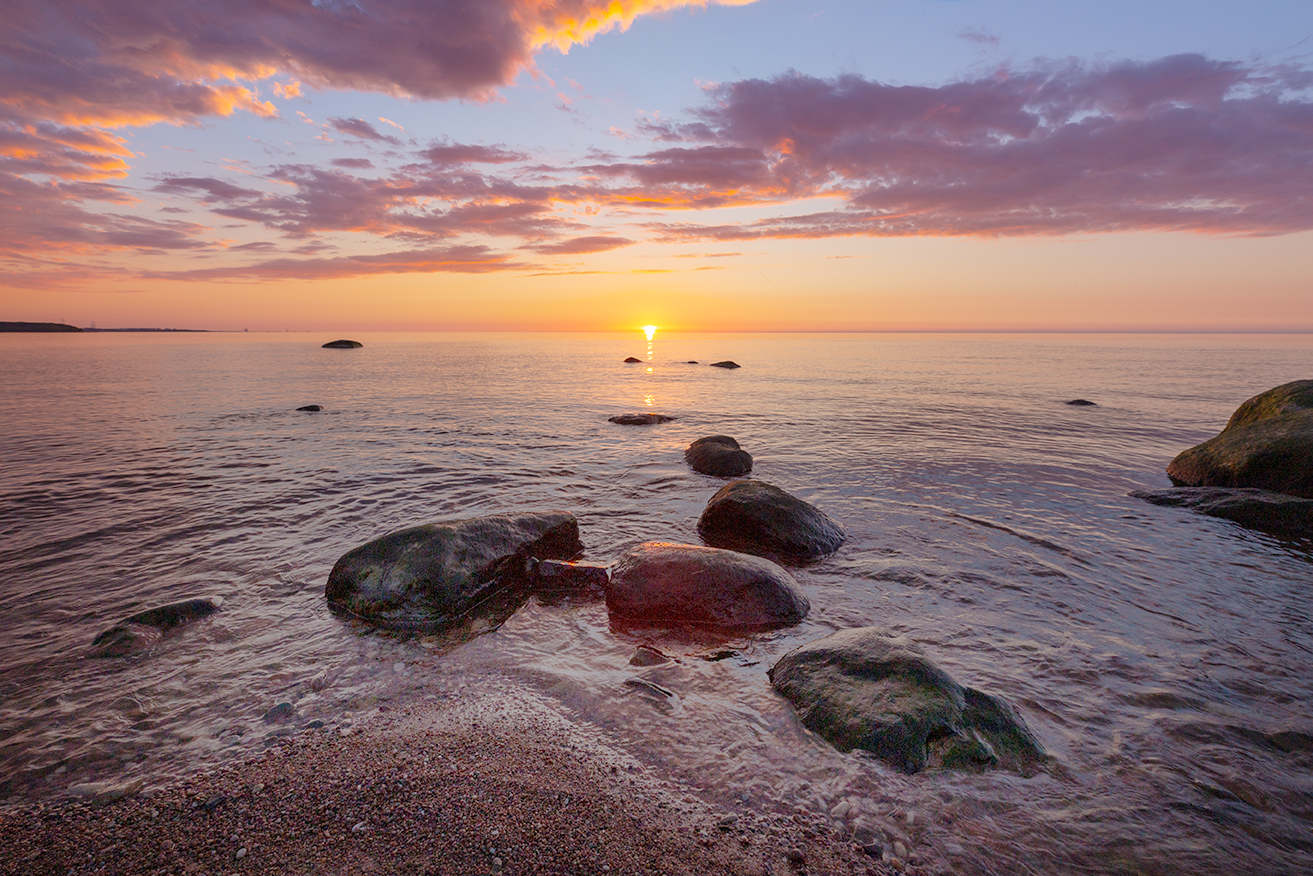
column 796, row 857
column 241, row 853
column 840, row 809
column 358, row 827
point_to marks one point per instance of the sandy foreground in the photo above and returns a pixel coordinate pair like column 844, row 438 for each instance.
column 446, row 789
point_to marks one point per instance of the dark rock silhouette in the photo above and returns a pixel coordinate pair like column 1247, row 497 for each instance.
column 342, row 345
column 428, row 577
column 1266, row 445
column 865, row 689
column 691, row 362
column 37, row 327
column 726, row 364
column 633, row 359
column 1274, row 513
column 719, row 456
column 310, row 408
column 639, row 419
column 1081, row 402
column 145, row 628
column 662, row 584
column 760, row 518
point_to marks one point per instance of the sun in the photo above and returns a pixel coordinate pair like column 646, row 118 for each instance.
column 649, row 330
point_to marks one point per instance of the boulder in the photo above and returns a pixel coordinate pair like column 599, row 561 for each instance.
column 139, row 632
column 1266, row 445
column 342, row 344
column 691, row 362
column 1274, row 513
column 662, row 584
column 639, row 419
column 726, row 364
column 431, row 576
column 1082, row 403
column 311, row 408
column 632, row 360
column 718, row 456
column 865, row 689
column 758, row 518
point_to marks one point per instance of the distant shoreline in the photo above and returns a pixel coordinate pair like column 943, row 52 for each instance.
column 59, row 327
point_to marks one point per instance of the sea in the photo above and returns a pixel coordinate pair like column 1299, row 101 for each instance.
column 1163, row 658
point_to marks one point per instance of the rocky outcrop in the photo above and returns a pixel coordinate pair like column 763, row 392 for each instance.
column 139, row 632
column 726, row 364
column 719, row 456
column 1274, row 513
column 1267, row 445
column 633, row 360
column 662, row 584
column 865, row 689
column 758, row 518
column 311, row 408
column 639, row 419
column 428, row 577
column 342, row 344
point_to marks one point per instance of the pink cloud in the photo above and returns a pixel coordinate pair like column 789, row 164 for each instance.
column 361, row 129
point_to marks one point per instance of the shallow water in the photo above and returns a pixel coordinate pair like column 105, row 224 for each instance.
column 1155, row 652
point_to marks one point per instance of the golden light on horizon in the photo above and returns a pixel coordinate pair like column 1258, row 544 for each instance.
column 649, row 330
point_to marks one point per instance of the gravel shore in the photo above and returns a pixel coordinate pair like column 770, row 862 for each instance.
column 440, row 790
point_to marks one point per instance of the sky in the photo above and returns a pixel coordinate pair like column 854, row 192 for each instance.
column 741, row 165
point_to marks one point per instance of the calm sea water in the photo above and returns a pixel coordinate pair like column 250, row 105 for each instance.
column 1152, row 650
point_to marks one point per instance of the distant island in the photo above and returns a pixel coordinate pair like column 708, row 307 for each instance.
column 61, row 327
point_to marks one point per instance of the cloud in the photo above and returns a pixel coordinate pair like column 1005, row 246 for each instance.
column 456, row 259
column 461, row 153
column 353, row 163
column 978, row 35
column 361, row 129
column 1180, row 143
column 583, row 245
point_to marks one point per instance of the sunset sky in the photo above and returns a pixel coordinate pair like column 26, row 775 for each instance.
column 736, row 165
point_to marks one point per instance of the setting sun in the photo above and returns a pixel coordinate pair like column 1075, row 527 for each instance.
column 649, row 330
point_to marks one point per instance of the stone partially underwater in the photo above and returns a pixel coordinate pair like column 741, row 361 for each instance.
column 1266, row 445
column 759, row 518
column 865, row 689
column 1274, row 513
column 144, row 629
column 432, row 576
column 718, row 456
column 663, row 584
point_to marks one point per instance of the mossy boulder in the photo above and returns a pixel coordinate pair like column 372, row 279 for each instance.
column 431, row 576
column 664, row 584
column 760, row 518
column 866, row 689
column 719, row 456
column 1266, row 445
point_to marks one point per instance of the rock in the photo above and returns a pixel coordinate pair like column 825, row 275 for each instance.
column 646, row 655
column 280, row 714
column 310, row 408
column 726, row 364
column 1274, row 513
column 1266, row 445
column 865, row 689
column 691, row 362
column 1080, row 402
column 563, row 575
column 758, row 518
column 632, row 360
column 718, row 456
column 430, row 576
column 664, row 584
column 342, row 344
column 144, row 629
column 639, row 419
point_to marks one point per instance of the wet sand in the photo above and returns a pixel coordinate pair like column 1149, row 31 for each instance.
column 435, row 789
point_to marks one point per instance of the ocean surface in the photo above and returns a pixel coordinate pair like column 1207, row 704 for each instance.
column 1156, row 653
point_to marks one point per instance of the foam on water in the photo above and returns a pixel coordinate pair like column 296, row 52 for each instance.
column 1159, row 655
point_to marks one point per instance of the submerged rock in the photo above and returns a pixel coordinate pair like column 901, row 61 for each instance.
column 342, row 344
column 145, row 628
column 430, row 576
column 865, row 689
column 310, row 408
column 719, row 456
column 640, row 419
column 726, row 364
column 632, row 360
column 665, row 584
column 1275, row 513
column 1081, row 402
column 1266, row 445
column 759, row 518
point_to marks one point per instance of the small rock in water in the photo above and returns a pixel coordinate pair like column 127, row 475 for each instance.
column 280, row 714
column 691, row 362
column 311, row 408
column 342, row 344
column 639, row 419
column 647, row 656
column 1080, row 402
column 726, row 364
column 632, row 359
